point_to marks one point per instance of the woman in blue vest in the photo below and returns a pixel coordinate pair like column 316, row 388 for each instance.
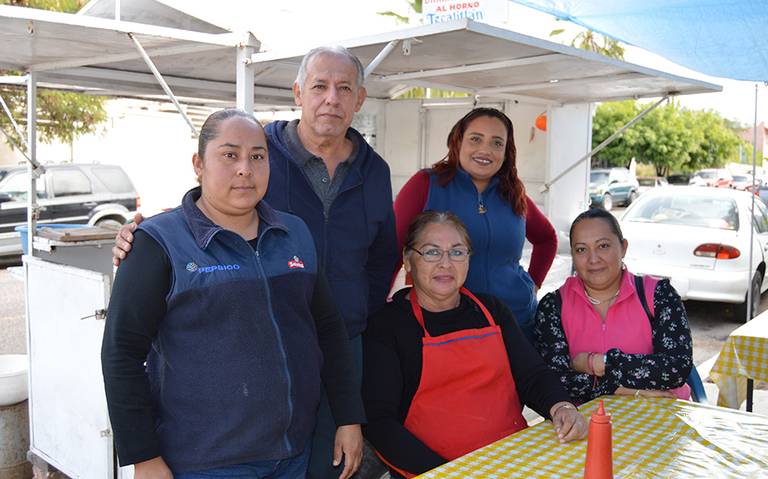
column 479, row 182
column 223, row 300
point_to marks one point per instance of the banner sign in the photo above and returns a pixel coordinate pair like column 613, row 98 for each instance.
column 439, row 11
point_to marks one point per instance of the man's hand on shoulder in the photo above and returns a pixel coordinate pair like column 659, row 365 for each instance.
column 124, row 239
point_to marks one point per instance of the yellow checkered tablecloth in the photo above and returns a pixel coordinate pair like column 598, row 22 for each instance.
column 744, row 355
column 651, row 438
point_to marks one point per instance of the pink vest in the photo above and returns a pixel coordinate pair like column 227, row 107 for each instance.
column 626, row 326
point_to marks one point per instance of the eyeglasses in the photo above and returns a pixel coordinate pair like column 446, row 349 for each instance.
column 433, row 255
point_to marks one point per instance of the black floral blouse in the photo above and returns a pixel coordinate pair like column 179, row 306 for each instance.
column 667, row 368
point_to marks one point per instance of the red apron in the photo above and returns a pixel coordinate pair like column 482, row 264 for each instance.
column 467, row 397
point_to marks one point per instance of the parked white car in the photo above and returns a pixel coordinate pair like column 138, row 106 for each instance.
column 699, row 238
column 649, row 182
column 717, row 177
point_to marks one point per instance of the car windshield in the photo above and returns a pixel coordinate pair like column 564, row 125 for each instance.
column 598, row 177
column 689, row 210
column 646, row 181
column 740, row 178
column 707, row 175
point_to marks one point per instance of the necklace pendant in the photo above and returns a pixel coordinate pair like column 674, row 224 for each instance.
column 481, row 209
column 596, row 301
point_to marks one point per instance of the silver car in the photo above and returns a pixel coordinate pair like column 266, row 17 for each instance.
column 699, row 238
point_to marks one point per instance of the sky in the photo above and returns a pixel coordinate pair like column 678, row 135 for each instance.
column 293, row 23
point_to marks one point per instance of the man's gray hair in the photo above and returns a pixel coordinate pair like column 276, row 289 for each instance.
column 337, row 50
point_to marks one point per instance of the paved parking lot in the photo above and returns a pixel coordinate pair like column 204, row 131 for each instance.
column 12, row 316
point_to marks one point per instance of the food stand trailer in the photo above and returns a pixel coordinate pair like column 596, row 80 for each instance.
column 145, row 50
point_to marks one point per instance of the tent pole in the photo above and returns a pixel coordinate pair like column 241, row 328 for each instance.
column 750, row 313
column 12, row 120
column 14, row 144
column 33, row 167
column 163, row 84
column 750, row 382
column 384, row 53
column 545, row 187
column 16, row 128
column 244, row 73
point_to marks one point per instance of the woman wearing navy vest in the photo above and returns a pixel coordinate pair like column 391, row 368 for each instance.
column 479, row 182
column 221, row 327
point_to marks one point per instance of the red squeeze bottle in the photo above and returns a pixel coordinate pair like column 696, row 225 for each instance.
column 599, row 464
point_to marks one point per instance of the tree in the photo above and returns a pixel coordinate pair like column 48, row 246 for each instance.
column 609, row 117
column 62, row 116
column 716, row 144
column 665, row 140
column 670, row 138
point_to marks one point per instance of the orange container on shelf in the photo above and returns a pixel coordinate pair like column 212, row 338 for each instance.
column 599, row 463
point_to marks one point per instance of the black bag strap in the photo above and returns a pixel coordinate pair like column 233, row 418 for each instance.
column 640, row 289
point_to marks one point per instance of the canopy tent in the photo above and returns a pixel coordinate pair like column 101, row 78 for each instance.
column 718, row 38
column 148, row 12
column 492, row 63
column 88, row 52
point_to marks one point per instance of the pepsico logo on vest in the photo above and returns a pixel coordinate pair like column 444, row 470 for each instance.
column 295, row 262
column 192, row 267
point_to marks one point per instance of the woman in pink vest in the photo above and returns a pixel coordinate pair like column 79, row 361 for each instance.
column 607, row 331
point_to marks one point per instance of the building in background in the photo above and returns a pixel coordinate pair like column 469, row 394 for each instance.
column 762, row 141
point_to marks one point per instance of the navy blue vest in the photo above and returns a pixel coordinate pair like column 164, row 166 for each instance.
column 235, row 367
column 356, row 242
column 497, row 237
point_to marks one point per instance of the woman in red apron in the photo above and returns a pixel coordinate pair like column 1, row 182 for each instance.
column 446, row 372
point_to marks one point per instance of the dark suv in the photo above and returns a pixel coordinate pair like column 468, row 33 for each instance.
column 68, row 193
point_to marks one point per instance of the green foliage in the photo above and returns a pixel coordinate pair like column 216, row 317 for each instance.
column 400, row 19
column 594, row 42
column 608, row 118
column 716, row 144
column 417, row 93
column 666, row 140
column 670, row 138
column 62, row 116
column 414, row 6
column 68, row 6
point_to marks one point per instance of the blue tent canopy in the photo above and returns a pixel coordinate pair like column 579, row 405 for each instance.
column 719, row 38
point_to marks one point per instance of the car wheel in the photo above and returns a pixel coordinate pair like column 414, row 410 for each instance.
column 741, row 310
column 607, row 202
column 632, row 198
